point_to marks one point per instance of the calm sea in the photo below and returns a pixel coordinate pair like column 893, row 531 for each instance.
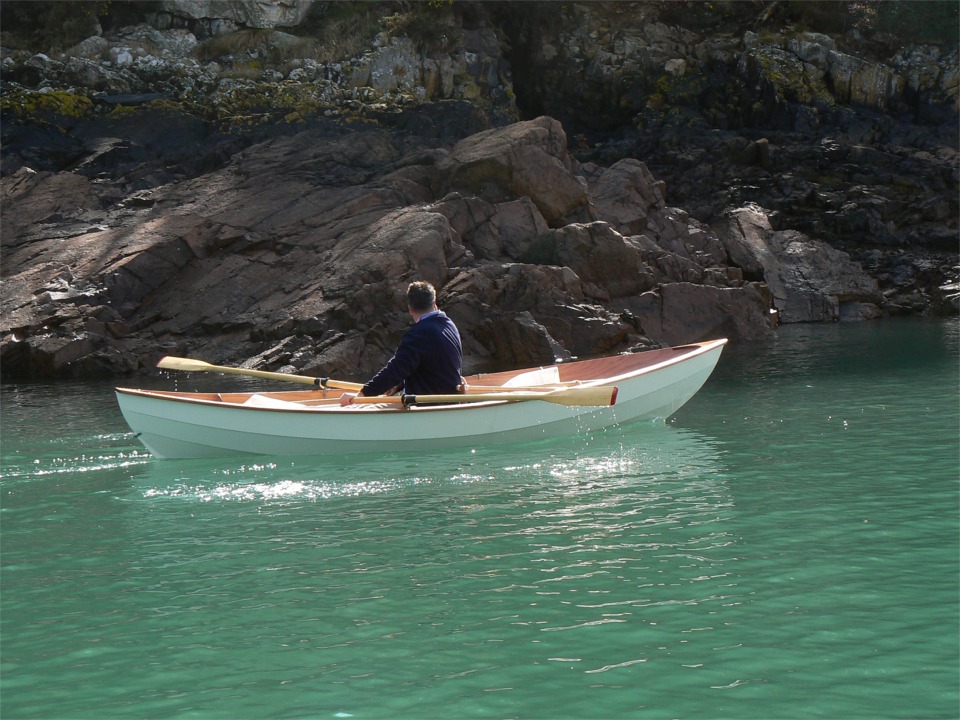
column 786, row 546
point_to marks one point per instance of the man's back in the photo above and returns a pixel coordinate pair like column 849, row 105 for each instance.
column 427, row 362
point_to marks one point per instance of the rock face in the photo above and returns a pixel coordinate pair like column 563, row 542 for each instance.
column 179, row 206
column 535, row 257
column 220, row 16
column 846, row 135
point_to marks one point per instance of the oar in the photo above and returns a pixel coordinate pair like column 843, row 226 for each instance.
column 594, row 396
column 546, row 387
column 176, row 363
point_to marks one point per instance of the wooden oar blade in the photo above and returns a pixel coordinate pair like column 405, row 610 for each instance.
column 177, row 363
column 596, row 396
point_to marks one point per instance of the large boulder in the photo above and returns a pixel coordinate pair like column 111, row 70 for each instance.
column 625, row 193
column 809, row 280
column 528, row 159
column 677, row 313
column 607, row 265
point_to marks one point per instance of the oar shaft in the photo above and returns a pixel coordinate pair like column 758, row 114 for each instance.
column 591, row 396
column 175, row 363
column 481, row 389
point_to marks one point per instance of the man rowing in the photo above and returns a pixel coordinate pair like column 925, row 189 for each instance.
column 429, row 357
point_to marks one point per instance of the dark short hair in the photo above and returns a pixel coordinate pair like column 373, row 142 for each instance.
column 421, row 296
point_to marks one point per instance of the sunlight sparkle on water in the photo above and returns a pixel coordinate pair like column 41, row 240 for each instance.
column 82, row 464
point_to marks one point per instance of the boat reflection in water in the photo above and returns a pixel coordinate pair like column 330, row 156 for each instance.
column 648, row 461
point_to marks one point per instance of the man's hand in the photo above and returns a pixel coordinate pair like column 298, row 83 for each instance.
column 347, row 398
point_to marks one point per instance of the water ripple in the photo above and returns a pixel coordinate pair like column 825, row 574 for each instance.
column 753, row 558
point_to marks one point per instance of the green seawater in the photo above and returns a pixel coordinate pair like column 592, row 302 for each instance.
column 786, row 546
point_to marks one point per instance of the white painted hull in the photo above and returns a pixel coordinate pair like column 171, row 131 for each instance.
column 181, row 425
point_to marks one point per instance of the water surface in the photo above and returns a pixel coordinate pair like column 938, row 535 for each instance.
column 786, row 546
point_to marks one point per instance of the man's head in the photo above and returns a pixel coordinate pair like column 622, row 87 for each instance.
column 421, row 297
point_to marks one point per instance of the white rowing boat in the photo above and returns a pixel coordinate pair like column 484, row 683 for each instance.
column 514, row 406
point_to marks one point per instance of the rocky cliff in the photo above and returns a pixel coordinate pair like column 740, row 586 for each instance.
column 248, row 182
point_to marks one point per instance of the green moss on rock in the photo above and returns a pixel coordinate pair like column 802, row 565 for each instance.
column 29, row 105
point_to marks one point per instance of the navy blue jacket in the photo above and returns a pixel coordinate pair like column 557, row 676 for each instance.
column 426, row 363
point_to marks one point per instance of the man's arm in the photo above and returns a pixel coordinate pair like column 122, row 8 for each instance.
column 404, row 361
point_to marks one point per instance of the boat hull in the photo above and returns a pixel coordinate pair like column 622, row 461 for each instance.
column 183, row 425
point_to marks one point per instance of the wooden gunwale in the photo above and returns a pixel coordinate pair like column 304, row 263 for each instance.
column 609, row 368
